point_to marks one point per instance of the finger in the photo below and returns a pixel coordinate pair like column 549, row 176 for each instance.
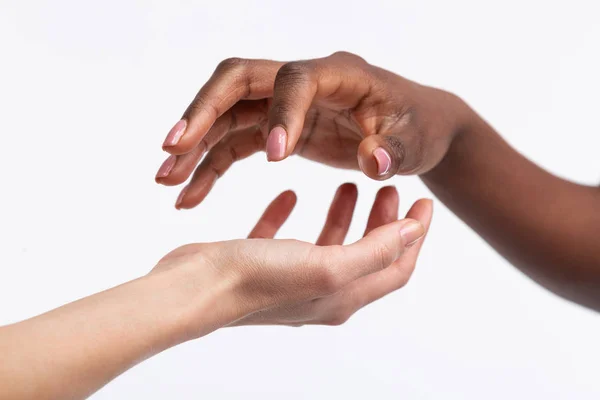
column 373, row 253
column 274, row 216
column 339, row 79
column 176, row 169
column 385, row 155
column 243, row 115
column 385, row 208
column 237, row 146
column 339, row 216
column 234, row 79
column 374, row 286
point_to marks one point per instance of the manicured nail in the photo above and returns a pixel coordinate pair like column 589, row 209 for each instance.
column 384, row 161
column 411, row 232
column 276, row 143
column 166, row 167
column 180, row 197
column 175, row 133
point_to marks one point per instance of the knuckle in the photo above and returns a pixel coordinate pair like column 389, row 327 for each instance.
column 409, row 151
column 380, row 254
column 232, row 64
column 201, row 103
column 339, row 312
column 328, row 281
column 403, row 275
column 346, row 55
column 221, row 160
column 338, row 317
column 397, row 150
column 281, row 108
column 295, row 72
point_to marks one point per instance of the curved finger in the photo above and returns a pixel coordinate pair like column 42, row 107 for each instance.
column 339, row 216
column 373, row 253
column 374, row 286
column 385, row 208
column 234, row 79
column 274, row 216
column 237, row 146
column 397, row 152
column 340, row 80
column 243, row 115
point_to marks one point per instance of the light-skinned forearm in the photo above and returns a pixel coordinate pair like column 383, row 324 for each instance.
column 71, row 352
column 546, row 226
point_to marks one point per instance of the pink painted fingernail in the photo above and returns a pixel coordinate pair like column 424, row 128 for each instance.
column 175, row 133
column 276, row 143
column 180, row 198
column 384, row 161
column 166, row 167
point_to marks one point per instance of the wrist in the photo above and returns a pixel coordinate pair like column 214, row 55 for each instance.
column 198, row 300
column 462, row 126
column 473, row 142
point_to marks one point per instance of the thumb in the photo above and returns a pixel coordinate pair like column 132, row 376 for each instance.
column 376, row 251
column 383, row 156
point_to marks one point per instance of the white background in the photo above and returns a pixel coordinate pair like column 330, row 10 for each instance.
column 88, row 92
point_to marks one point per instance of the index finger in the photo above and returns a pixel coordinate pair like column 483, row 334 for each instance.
column 342, row 80
column 234, row 79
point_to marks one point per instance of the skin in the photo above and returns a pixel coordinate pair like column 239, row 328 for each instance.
column 344, row 112
column 72, row 351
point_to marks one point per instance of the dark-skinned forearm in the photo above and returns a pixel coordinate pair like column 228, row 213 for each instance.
column 546, row 226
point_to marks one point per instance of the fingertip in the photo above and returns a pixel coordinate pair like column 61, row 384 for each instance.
column 289, row 192
column 170, row 180
column 373, row 160
column 189, row 140
column 429, row 204
column 348, row 188
column 426, row 204
column 163, row 181
column 181, row 198
column 383, row 160
column 175, row 141
column 195, row 193
column 421, row 210
column 289, row 197
column 378, row 158
column 389, row 191
column 276, row 143
column 347, row 192
column 165, row 168
column 184, row 146
column 175, row 134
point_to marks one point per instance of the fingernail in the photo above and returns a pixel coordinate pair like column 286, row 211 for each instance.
column 166, row 167
column 175, row 133
column 384, row 161
column 276, row 143
column 180, row 197
column 411, row 232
